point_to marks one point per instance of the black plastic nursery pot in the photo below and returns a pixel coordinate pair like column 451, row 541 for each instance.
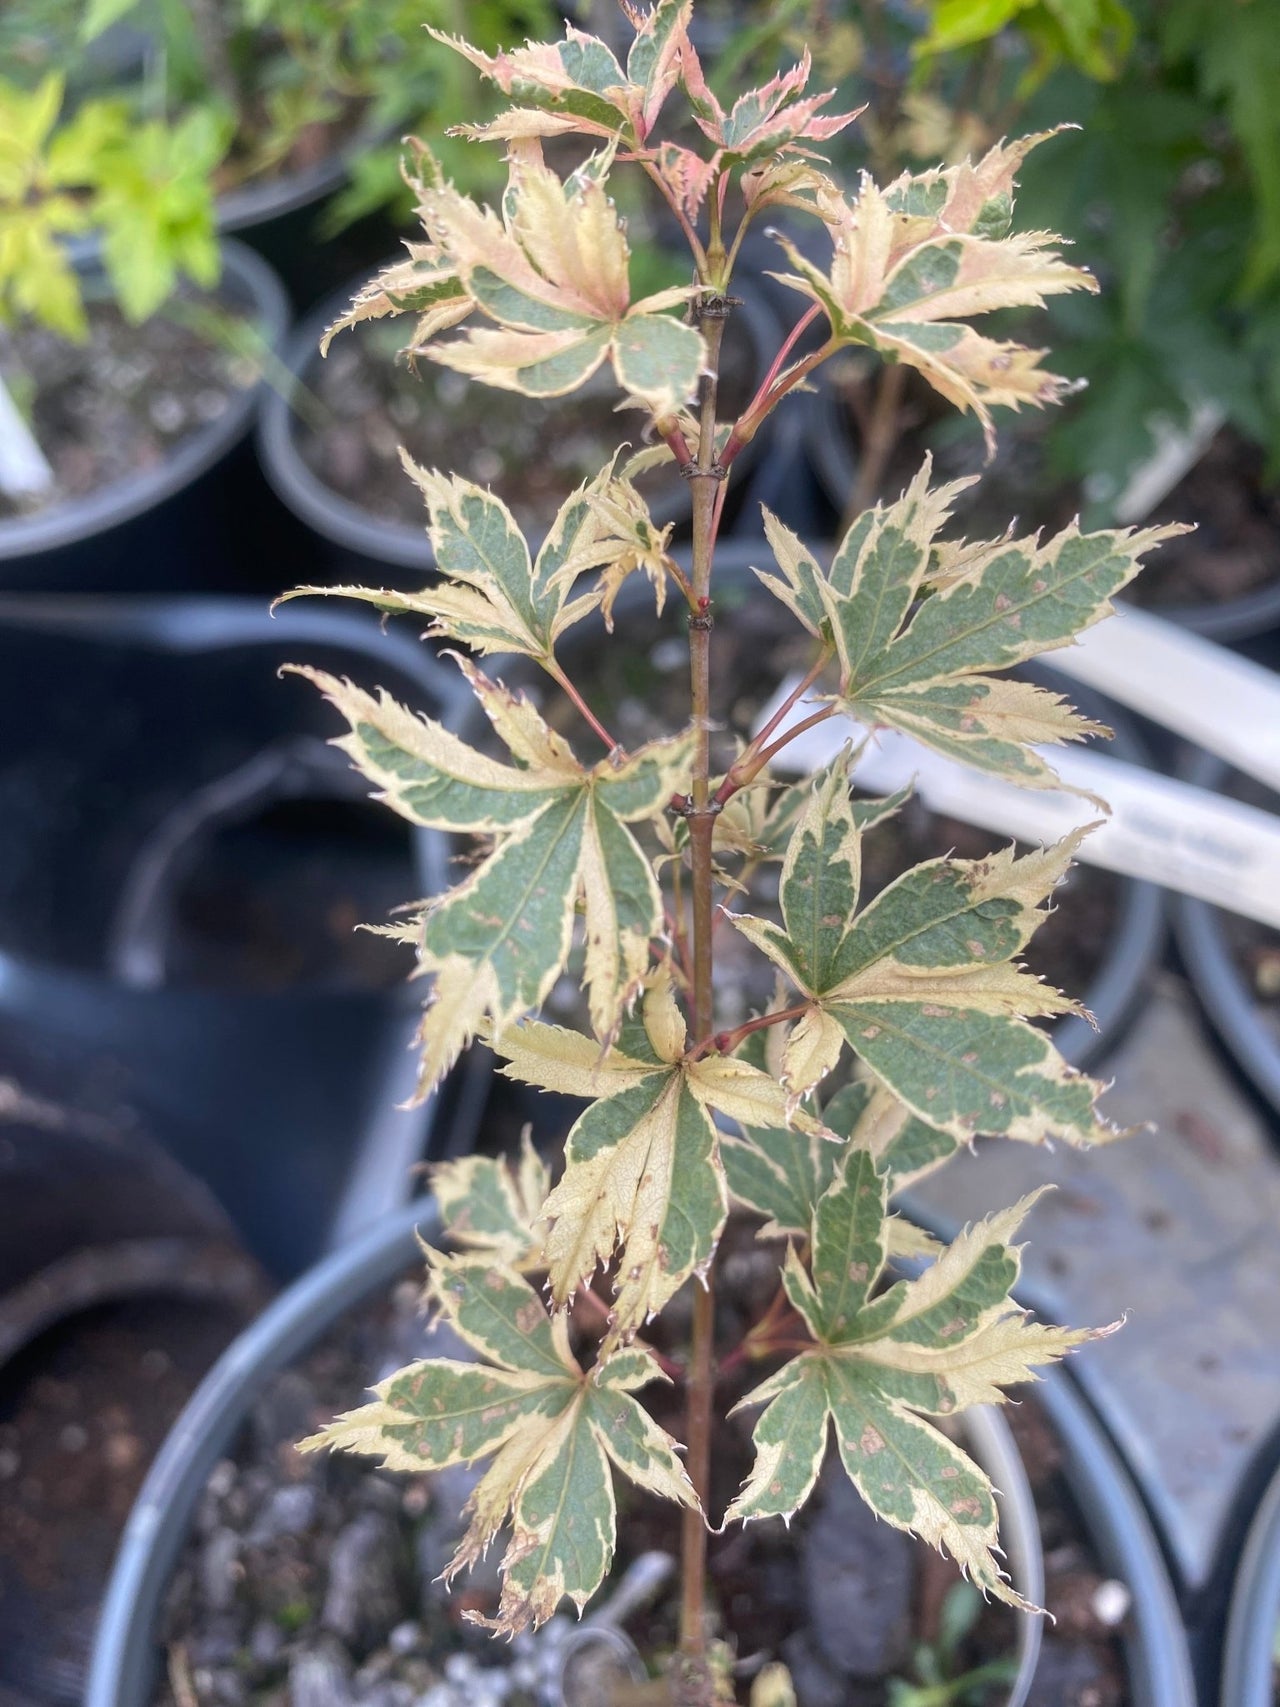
column 184, row 861
column 360, row 542
column 126, row 1654
column 1251, row 1665
column 1215, row 963
column 279, row 218
column 185, row 523
column 121, row 1281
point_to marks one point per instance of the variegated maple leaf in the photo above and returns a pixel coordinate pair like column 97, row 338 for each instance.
column 918, row 663
column 487, row 1204
column 880, row 1365
column 780, row 1173
column 915, row 261
column 643, row 1174
column 552, row 273
column 578, row 86
column 491, row 596
column 497, row 942
column 551, row 1428
column 765, row 122
column 922, row 982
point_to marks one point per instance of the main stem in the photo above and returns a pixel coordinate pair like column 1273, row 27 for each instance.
column 693, row 1684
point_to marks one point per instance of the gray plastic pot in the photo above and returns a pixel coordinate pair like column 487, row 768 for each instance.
column 125, row 1653
column 142, row 733
column 1219, row 984
column 358, row 542
column 1249, row 1664
column 167, row 526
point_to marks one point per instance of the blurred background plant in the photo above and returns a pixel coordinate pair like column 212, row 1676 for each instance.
column 293, row 79
column 143, row 187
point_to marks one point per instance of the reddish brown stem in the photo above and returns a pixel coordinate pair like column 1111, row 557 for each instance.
column 764, row 757
column 553, row 669
column 748, row 423
column 737, row 776
column 725, row 1042
column 793, row 337
column 682, row 581
column 693, row 1681
column 672, row 201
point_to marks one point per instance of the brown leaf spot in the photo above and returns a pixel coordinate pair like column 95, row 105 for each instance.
column 870, row 1031
column 932, row 1010
column 970, row 1506
column 528, row 1316
column 1003, row 601
column 969, row 1057
column 997, row 1099
column 977, row 949
column 870, row 1442
column 948, row 1330
column 949, row 1472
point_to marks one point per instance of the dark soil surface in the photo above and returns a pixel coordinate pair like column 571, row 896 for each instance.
column 306, row 1579
column 532, row 453
column 120, row 403
column 1235, row 549
column 275, row 903
column 83, row 1411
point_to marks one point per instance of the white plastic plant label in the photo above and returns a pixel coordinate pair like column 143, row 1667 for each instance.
column 1214, row 697
column 24, row 470
column 1169, row 832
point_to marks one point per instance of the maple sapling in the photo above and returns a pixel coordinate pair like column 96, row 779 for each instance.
column 619, row 865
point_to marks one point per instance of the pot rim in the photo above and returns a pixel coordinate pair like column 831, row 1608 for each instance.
column 404, row 545
column 123, row 1656
column 1221, row 990
column 191, row 624
column 1254, row 1615
column 120, row 501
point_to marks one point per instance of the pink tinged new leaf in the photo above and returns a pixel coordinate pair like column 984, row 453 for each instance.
column 552, row 275
column 914, row 262
column 767, row 120
column 578, row 85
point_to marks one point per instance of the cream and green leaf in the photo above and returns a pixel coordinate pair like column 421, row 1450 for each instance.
column 496, row 943
column 882, row 1362
column 922, row 982
column 917, row 632
column 552, row 1430
column 643, row 1174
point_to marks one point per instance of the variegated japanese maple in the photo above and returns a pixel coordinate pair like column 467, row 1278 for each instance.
column 625, row 864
